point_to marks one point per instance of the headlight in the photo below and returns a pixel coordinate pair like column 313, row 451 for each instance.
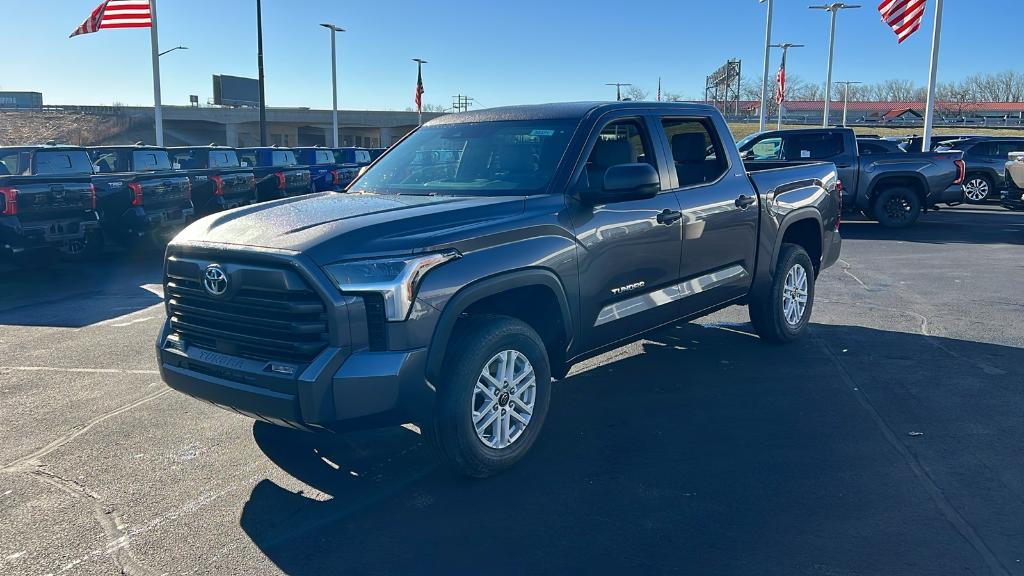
column 396, row 279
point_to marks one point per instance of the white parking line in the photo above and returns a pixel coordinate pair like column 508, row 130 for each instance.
column 85, row 370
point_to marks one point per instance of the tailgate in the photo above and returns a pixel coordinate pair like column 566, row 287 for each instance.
column 41, row 198
column 238, row 183
column 297, row 181
column 164, row 191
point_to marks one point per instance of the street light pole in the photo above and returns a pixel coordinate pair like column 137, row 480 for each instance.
column 259, row 58
column 782, row 89
column 834, row 9
column 618, row 89
column 767, row 58
column 846, row 97
column 172, row 50
column 334, row 77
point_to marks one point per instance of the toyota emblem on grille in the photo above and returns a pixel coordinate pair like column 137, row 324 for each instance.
column 215, row 280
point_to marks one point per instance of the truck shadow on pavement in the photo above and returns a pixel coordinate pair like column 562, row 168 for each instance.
column 951, row 226
column 78, row 294
column 700, row 450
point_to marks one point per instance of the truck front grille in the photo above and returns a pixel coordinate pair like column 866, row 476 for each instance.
column 266, row 313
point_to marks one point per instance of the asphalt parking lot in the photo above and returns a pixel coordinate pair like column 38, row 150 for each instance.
column 890, row 442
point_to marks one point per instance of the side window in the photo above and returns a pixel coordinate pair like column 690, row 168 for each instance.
column 249, row 158
column 869, row 148
column 983, row 149
column 767, row 149
column 696, row 151
column 620, row 142
column 106, row 162
column 815, row 146
column 9, row 164
column 1005, row 148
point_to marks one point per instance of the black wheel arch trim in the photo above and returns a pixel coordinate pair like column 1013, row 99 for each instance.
column 879, row 186
column 799, row 215
column 484, row 288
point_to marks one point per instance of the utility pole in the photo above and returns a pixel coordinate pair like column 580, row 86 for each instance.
column 618, row 89
column 259, row 58
column 461, row 103
column 767, row 58
column 782, row 89
column 834, row 9
column 846, row 97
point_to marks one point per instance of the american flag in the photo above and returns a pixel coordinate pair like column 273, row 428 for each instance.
column 419, row 87
column 780, row 82
column 117, row 14
column 903, row 16
column 659, row 88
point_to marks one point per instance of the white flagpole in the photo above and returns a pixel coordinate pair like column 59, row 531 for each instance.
column 158, row 114
column 929, row 110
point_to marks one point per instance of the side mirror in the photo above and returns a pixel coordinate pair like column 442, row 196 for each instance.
column 624, row 182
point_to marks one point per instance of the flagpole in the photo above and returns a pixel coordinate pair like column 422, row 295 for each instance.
column 764, row 77
column 929, row 111
column 158, row 114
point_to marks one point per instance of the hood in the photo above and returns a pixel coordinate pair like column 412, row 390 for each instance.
column 332, row 226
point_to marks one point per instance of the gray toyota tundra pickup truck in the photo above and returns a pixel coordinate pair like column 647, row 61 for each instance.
column 449, row 289
column 893, row 189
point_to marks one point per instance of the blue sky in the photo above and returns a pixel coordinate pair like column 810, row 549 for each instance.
column 498, row 52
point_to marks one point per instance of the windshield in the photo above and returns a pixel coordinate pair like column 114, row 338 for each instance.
column 485, row 159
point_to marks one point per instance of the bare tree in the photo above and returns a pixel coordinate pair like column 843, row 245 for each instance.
column 634, row 93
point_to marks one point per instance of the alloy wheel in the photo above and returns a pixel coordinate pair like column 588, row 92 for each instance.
column 976, row 189
column 794, row 295
column 503, row 399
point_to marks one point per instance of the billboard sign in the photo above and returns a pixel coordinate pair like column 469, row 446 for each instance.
column 235, row 91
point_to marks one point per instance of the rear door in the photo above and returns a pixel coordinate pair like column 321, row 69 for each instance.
column 720, row 213
column 823, row 146
column 629, row 251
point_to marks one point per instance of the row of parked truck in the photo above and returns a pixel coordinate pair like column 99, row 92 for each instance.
column 74, row 200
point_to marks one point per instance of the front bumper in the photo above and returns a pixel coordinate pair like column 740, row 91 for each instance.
column 952, row 195
column 338, row 389
column 1012, row 198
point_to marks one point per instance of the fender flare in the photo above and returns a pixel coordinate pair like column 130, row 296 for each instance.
column 880, row 180
column 808, row 213
column 480, row 289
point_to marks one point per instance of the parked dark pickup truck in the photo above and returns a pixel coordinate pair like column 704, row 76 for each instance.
column 277, row 171
column 452, row 301
column 219, row 181
column 47, row 200
column 349, row 162
column 323, row 168
column 138, row 193
column 891, row 188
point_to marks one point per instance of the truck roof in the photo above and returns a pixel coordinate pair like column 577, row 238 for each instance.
column 126, row 147
column 562, row 111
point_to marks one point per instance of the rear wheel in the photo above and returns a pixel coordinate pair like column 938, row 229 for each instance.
column 782, row 313
column 494, row 399
column 897, row 207
column 977, row 189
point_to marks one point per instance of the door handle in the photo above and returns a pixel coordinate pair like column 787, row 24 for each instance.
column 744, row 201
column 669, row 217
column 843, row 165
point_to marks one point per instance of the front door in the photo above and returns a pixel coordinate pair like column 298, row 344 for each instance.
column 720, row 214
column 629, row 251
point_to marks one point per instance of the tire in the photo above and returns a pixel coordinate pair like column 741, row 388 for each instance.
column 770, row 313
column 978, row 189
column 897, row 207
column 482, row 344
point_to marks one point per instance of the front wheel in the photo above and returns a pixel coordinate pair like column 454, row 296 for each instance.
column 495, row 395
column 781, row 314
column 897, row 207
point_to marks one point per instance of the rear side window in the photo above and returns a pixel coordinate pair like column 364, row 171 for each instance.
column 62, row 162
column 1003, row 149
column 248, row 157
column 9, row 164
column 283, row 158
column 814, row 146
column 870, row 148
column 107, row 161
column 151, row 160
column 223, row 159
column 696, row 151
